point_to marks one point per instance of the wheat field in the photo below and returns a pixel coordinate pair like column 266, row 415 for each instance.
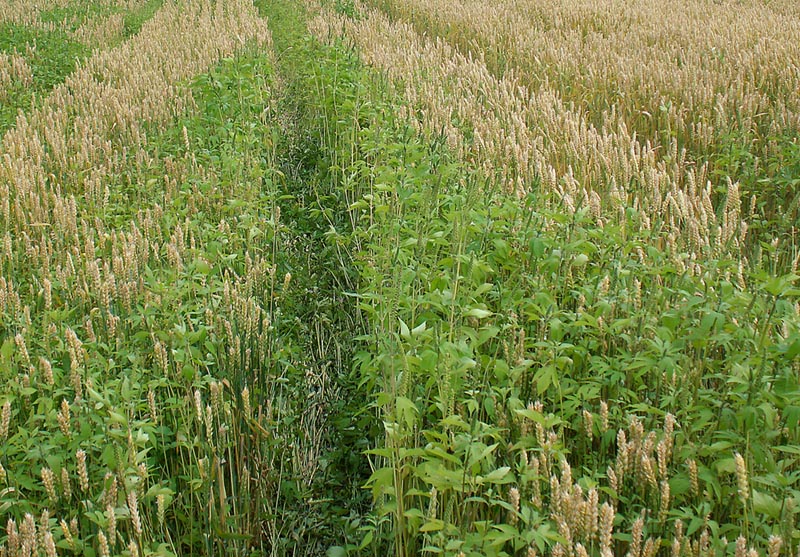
column 400, row 277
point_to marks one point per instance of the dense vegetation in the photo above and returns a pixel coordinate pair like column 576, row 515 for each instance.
column 344, row 278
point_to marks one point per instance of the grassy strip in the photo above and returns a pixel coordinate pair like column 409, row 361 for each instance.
column 324, row 94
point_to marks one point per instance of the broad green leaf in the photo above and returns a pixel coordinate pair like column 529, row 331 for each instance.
column 499, row 476
column 405, row 332
column 381, row 481
column 478, row 313
column 764, row 503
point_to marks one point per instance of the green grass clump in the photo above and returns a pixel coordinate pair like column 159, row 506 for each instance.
column 134, row 19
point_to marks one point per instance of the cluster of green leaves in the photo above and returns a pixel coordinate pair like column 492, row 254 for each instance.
column 768, row 171
column 174, row 454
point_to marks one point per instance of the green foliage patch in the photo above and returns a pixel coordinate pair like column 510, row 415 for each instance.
column 502, row 334
column 768, row 172
column 160, row 407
